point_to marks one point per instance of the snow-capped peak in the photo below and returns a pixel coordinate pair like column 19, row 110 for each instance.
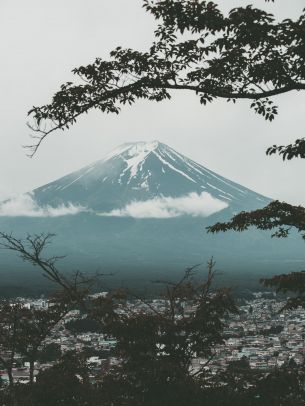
column 133, row 149
column 134, row 155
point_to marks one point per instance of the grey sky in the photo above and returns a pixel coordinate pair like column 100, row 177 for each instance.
column 42, row 41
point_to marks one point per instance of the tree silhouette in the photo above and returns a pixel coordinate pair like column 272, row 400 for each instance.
column 245, row 55
column 156, row 346
column 282, row 217
column 23, row 331
column 66, row 383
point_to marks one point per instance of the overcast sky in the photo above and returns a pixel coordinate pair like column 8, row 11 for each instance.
column 42, row 41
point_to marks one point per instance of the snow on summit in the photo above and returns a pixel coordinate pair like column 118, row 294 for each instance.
column 133, row 149
column 135, row 154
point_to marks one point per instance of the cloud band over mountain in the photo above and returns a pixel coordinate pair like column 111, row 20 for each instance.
column 25, row 206
column 193, row 204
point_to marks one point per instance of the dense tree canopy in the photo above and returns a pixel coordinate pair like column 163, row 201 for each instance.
column 246, row 54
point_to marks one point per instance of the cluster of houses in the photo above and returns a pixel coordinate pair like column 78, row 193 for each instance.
column 263, row 334
column 260, row 333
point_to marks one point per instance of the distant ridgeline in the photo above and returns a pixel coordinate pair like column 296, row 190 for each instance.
column 141, row 214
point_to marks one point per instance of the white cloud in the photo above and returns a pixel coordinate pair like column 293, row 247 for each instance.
column 25, row 205
column 193, row 204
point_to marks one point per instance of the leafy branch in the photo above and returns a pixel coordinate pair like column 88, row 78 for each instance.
column 245, row 55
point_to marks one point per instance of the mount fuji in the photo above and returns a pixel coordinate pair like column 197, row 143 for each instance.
column 141, row 213
column 141, row 172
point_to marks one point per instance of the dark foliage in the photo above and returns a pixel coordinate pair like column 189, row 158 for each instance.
column 277, row 215
column 282, row 217
column 83, row 325
column 50, row 352
column 296, row 150
column 67, row 383
column 23, row 331
column 156, row 348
